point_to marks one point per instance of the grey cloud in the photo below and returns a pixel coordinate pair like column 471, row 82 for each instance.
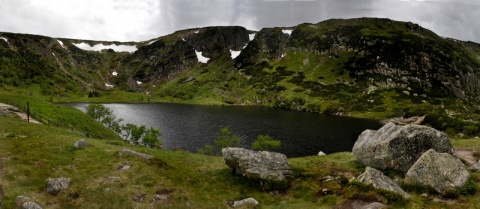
column 146, row 19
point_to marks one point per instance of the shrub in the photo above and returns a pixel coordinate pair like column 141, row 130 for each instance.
column 224, row 139
column 266, row 143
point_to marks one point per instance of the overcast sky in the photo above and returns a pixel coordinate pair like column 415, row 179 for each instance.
column 141, row 20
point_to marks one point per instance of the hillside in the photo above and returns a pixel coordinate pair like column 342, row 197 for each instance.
column 365, row 67
column 31, row 153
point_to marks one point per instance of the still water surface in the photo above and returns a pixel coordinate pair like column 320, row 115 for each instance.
column 190, row 127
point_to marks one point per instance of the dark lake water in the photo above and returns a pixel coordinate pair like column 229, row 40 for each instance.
column 190, row 127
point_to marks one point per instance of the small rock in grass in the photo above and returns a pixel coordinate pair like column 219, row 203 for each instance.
column 31, row 205
column 250, row 201
column 55, row 185
column 80, row 144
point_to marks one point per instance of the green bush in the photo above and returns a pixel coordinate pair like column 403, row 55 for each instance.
column 266, row 143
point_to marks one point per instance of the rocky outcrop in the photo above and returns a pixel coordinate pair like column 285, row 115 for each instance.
column 270, row 43
column 55, row 185
column 215, row 41
column 398, row 147
column 378, row 180
column 124, row 152
column 438, row 170
column 80, row 144
column 257, row 165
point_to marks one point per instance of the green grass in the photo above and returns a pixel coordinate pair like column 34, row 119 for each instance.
column 31, row 153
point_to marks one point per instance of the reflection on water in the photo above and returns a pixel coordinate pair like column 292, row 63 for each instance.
column 190, row 127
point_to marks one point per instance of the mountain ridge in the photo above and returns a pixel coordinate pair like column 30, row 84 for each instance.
column 364, row 66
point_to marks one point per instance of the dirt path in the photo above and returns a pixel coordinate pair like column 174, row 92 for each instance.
column 466, row 154
column 6, row 108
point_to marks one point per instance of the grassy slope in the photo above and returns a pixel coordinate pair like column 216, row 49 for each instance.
column 31, row 153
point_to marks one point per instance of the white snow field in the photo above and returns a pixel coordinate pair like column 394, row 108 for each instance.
column 61, row 44
column 234, row 54
column 99, row 47
column 200, row 57
column 289, row 32
column 5, row 39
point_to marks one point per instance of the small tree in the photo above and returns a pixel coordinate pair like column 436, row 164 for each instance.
column 224, row 139
column 151, row 137
column 266, row 143
column 129, row 131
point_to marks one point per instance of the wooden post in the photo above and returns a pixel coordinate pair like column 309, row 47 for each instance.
column 28, row 112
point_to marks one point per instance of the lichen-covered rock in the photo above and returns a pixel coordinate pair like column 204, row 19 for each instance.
column 438, row 170
column 31, row 205
column 55, row 185
column 80, row 144
column 378, row 180
column 124, row 152
column 398, row 147
column 257, row 165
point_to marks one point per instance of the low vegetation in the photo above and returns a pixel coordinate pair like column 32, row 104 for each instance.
column 266, row 143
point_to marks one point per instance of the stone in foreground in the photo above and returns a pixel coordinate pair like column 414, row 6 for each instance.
column 378, row 180
column 133, row 153
column 257, row 165
column 438, row 170
column 398, row 147
column 55, row 185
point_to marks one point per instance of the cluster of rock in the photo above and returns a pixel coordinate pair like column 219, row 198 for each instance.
column 423, row 153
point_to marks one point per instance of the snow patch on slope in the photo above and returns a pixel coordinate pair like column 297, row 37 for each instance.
column 289, row 32
column 234, row 54
column 61, row 44
column 201, row 58
column 99, row 47
column 5, row 39
column 151, row 42
column 251, row 36
column 54, row 56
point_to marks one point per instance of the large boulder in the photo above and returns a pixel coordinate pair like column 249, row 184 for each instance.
column 438, row 170
column 376, row 178
column 55, row 185
column 257, row 165
column 398, row 147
